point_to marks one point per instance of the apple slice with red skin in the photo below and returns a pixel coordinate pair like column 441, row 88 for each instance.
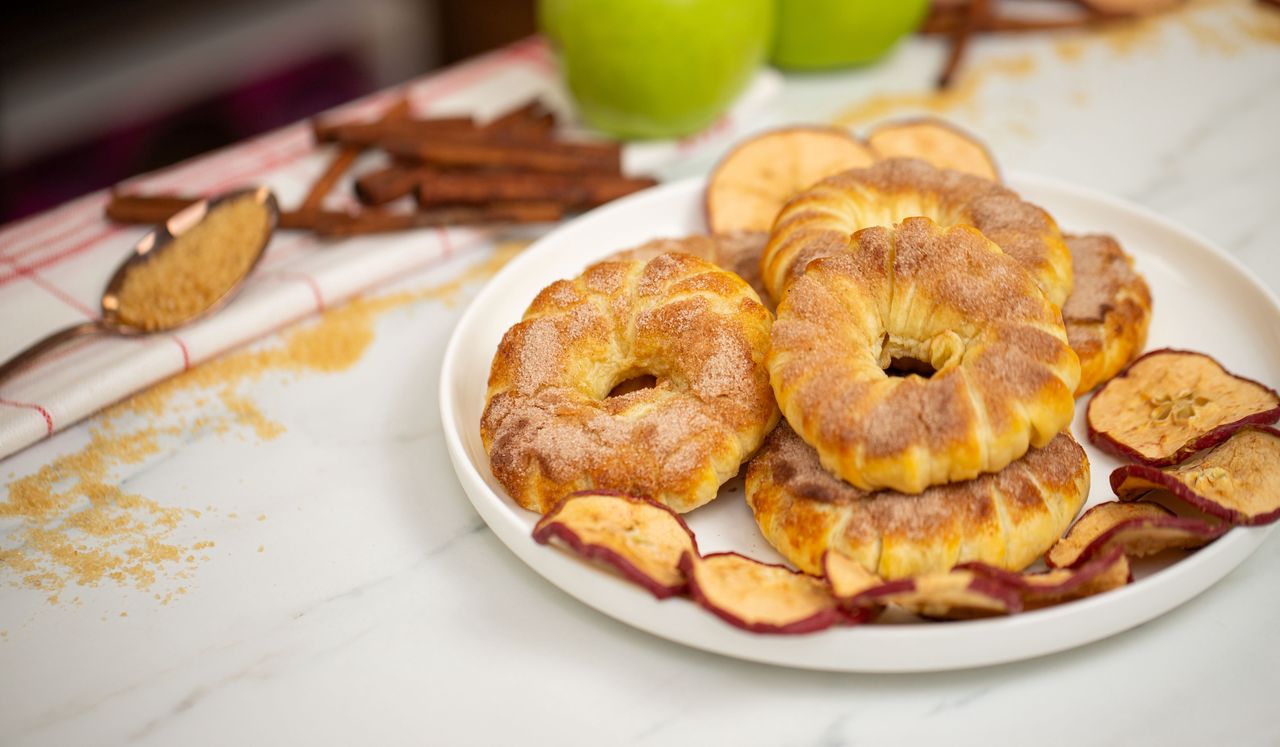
column 957, row 594
column 847, row 577
column 760, row 597
column 936, row 141
column 1169, row 404
column 1237, row 481
column 750, row 185
column 1095, row 522
column 1140, row 528
column 1107, row 571
column 640, row 538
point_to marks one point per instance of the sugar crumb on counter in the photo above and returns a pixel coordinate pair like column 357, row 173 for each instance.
column 1215, row 27
column 73, row 522
column 961, row 94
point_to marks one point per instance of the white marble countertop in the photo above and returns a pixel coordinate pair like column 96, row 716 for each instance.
column 300, row 565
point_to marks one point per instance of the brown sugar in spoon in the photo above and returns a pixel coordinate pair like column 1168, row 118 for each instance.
column 181, row 271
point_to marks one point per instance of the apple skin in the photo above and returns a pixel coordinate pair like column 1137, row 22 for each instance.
column 1025, row 584
column 657, row 68
column 1110, row 570
column 1108, row 443
column 987, row 594
column 820, row 620
column 551, row 527
column 819, row 34
column 1131, row 481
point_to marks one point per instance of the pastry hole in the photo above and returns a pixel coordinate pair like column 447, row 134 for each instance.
column 634, row 384
column 908, row 366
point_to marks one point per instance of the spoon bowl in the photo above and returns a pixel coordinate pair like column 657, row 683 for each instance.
column 147, row 249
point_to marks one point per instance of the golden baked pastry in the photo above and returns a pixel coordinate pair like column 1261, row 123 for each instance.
column 1006, row 519
column 820, row 220
column 550, row 424
column 736, row 251
column 920, row 297
column 1108, row 311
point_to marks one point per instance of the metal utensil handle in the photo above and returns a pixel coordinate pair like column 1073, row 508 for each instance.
column 40, row 347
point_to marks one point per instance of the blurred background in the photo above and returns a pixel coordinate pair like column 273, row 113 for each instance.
column 91, row 93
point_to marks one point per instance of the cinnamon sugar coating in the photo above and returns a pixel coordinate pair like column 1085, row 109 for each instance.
column 1003, row 374
column 1108, row 311
column 550, row 426
column 1007, row 519
column 820, row 221
column 738, row 252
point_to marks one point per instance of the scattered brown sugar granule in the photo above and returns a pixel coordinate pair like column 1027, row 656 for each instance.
column 71, row 522
column 74, row 524
column 188, row 276
column 962, row 94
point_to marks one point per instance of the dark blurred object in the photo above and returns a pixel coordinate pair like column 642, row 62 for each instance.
column 468, row 28
column 92, row 93
column 169, row 138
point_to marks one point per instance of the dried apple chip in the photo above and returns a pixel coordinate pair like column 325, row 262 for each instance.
column 759, row 597
column 752, row 183
column 1169, row 404
column 1105, row 572
column 641, row 538
column 847, row 577
column 1095, row 522
column 1237, row 481
column 957, row 594
column 1139, row 528
column 936, row 141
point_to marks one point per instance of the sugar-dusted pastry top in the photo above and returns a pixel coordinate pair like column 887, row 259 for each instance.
column 736, row 251
column 551, row 425
column 1002, row 376
column 1108, row 311
column 1006, row 519
column 820, row 220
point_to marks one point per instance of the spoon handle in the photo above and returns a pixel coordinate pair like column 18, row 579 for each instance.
column 40, row 347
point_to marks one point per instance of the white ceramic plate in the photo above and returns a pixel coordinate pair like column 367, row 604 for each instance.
column 1204, row 300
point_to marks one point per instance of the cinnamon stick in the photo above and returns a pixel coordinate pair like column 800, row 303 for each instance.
column 548, row 156
column 947, row 23
column 152, row 210
column 941, row 20
column 342, row 161
column 533, row 120
column 369, row 222
column 346, row 156
column 144, row 209
column 574, row 192
column 976, row 14
column 366, row 134
column 388, row 184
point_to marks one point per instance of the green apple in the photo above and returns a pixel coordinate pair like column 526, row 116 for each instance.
column 657, row 68
column 815, row 34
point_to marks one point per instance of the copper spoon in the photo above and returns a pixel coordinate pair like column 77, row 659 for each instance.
column 151, row 245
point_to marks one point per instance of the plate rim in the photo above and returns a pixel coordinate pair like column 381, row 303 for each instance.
column 1141, row 601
